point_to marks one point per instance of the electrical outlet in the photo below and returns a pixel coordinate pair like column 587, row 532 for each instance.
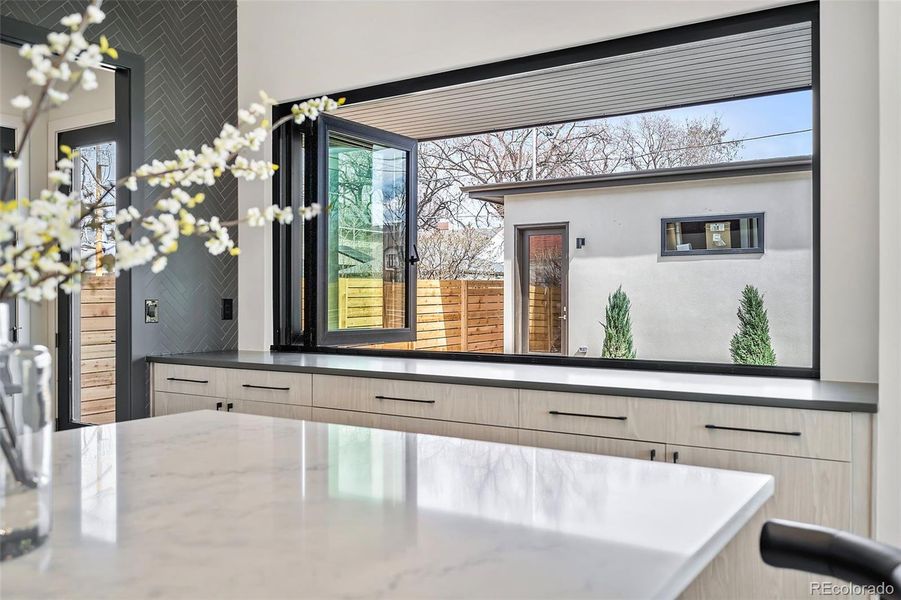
column 151, row 310
column 228, row 309
column 583, row 350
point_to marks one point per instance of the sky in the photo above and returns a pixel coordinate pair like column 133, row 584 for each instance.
column 765, row 115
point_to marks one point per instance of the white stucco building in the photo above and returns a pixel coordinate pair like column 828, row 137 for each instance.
column 684, row 301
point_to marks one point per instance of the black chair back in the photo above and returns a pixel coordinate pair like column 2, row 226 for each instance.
column 834, row 553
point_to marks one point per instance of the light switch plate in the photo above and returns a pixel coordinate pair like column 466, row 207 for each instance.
column 151, row 311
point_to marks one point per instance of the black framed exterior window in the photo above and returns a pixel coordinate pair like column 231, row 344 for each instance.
column 717, row 234
column 346, row 283
column 366, row 250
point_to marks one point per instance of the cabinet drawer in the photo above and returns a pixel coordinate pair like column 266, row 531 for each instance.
column 783, row 431
column 271, row 409
column 269, row 386
column 188, row 379
column 593, row 445
column 413, row 425
column 447, row 402
column 166, row 403
column 588, row 414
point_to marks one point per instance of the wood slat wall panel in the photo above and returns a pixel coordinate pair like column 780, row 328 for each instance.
column 98, row 350
column 452, row 315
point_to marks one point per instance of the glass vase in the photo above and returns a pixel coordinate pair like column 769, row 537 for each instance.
column 25, row 441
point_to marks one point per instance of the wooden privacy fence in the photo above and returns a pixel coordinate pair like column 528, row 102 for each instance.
column 452, row 316
column 545, row 322
column 98, row 349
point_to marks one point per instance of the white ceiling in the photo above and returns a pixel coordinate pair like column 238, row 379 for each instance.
column 741, row 65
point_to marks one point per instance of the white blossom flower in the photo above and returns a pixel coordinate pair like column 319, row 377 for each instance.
column 58, row 40
column 312, row 211
column 36, row 76
column 244, row 116
column 267, row 99
column 88, row 80
column 254, row 218
column 21, row 102
column 94, row 15
column 58, row 178
column 159, row 264
column 46, row 227
column 57, row 97
column 72, row 21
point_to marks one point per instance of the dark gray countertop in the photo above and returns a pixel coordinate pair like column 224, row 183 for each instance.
column 730, row 389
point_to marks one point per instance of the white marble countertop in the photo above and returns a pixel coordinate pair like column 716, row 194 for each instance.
column 699, row 387
column 222, row 505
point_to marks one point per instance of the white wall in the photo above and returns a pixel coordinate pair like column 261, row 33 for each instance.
column 303, row 48
column 888, row 421
column 683, row 307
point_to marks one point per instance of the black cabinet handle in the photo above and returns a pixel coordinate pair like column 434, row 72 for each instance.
column 266, row 387
column 653, row 453
column 405, row 399
column 187, row 380
column 218, row 406
column 572, row 414
column 770, row 431
column 229, row 407
column 675, row 457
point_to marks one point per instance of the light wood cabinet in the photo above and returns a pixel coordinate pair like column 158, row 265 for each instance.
column 593, row 445
column 807, row 490
column 440, row 401
column 269, row 386
column 589, row 414
column 762, row 429
column 188, row 379
column 271, row 409
column 167, row 403
column 413, row 425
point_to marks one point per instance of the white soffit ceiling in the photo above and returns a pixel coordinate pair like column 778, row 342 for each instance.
column 759, row 62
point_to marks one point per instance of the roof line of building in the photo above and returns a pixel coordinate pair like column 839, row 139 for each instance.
column 495, row 192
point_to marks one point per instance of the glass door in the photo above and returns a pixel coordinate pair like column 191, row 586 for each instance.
column 366, row 182
column 543, row 275
column 87, row 320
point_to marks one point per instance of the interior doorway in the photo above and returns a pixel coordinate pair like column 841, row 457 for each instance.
column 87, row 319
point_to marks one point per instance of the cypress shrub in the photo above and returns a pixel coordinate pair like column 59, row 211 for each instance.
column 618, row 327
column 751, row 344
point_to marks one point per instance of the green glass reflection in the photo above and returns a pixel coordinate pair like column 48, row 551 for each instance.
column 367, row 207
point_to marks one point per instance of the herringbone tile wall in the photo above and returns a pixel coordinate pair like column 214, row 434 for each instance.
column 190, row 53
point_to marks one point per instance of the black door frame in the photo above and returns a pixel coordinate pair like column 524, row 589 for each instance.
column 129, row 102
column 75, row 138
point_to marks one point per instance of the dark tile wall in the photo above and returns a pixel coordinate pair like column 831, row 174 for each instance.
column 191, row 88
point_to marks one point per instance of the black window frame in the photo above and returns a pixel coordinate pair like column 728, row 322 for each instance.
column 288, row 339
column 761, row 235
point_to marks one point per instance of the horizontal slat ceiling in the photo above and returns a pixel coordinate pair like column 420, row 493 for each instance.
column 758, row 62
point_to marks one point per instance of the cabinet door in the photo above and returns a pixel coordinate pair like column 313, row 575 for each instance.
column 269, row 409
column 592, row 445
column 167, row 403
column 807, row 490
